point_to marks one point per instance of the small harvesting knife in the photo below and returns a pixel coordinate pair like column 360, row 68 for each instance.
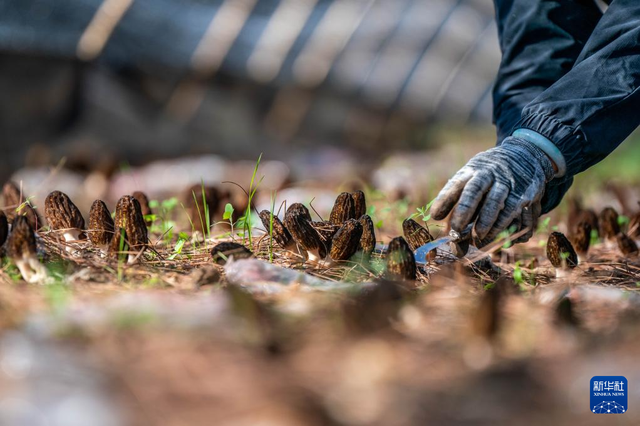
column 454, row 236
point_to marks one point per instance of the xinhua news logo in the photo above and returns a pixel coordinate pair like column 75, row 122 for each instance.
column 609, row 394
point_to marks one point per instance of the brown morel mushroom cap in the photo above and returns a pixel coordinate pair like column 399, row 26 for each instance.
column 609, row 226
column 225, row 250
column 14, row 200
column 129, row 217
column 591, row 218
column 305, row 234
column 627, row 246
column 144, row 206
column 368, row 238
column 401, row 263
column 359, row 203
column 101, row 227
column 582, row 238
column 300, row 209
column 343, row 209
column 61, row 213
column 21, row 246
column 22, row 240
column 415, row 234
column 560, row 252
column 326, row 230
column 460, row 248
column 4, row 228
column 281, row 236
column 346, row 241
column 194, row 205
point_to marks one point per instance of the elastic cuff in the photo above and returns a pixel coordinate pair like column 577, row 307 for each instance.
column 534, row 152
column 569, row 140
column 545, row 145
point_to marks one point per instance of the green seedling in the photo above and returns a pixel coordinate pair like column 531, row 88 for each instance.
column 623, row 220
column 518, row 276
column 543, row 226
column 177, row 250
column 247, row 218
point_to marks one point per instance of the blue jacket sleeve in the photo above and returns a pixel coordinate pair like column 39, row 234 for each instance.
column 540, row 42
column 590, row 110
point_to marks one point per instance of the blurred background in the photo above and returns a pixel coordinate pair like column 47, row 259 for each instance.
column 102, row 83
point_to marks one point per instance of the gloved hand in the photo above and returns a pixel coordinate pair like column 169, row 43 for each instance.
column 509, row 180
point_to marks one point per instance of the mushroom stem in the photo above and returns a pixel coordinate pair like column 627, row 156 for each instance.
column 104, row 250
column 71, row 235
column 31, row 269
column 25, row 269
column 314, row 256
column 293, row 248
column 563, row 273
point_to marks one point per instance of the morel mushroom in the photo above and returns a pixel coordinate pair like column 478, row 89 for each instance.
column 101, row 227
column 561, row 254
column 346, row 241
column 195, row 206
column 21, row 246
column 326, row 230
column 582, row 239
column 144, row 206
column 609, row 226
column 299, row 209
column 591, row 218
column 578, row 214
column 4, row 228
column 281, row 236
column 401, row 263
column 63, row 216
column 15, row 204
column 129, row 218
column 343, row 209
column 460, row 248
column 368, row 238
column 415, row 234
column 305, row 234
column 359, row 203
column 229, row 250
column 627, row 246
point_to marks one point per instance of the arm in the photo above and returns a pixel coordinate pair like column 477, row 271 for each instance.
column 540, row 41
column 594, row 107
column 581, row 118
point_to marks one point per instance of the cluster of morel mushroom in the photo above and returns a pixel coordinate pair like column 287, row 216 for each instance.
column 128, row 234
column 565, row 253
column 349, row 230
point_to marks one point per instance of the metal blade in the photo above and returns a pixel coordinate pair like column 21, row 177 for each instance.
column 421, row 252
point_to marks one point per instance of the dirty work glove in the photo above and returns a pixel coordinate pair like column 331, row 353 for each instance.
column 497, row 188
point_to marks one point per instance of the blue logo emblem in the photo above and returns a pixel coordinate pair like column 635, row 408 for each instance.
column 609, row 394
